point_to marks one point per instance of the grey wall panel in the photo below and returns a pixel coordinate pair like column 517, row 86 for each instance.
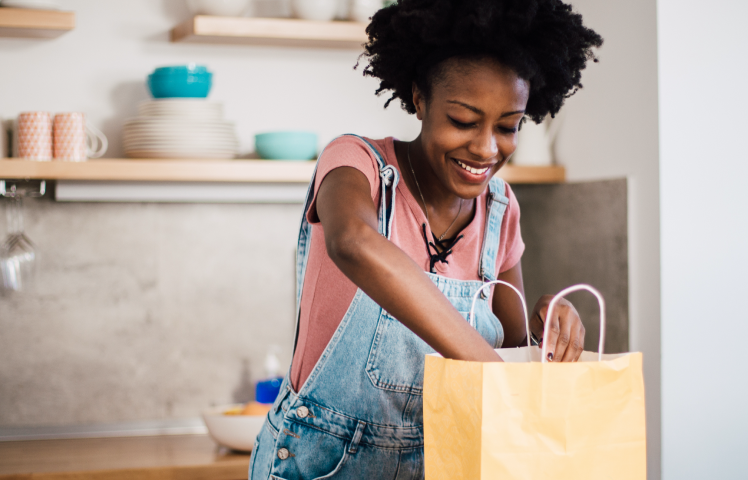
column 577, row 233
column 145, row 311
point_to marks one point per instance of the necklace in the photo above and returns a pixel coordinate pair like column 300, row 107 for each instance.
column 425, row 208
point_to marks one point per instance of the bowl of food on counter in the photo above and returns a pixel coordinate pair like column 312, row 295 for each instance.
column 236, row 426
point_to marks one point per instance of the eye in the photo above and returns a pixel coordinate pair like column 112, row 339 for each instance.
column 460, row 124
column 508, row 130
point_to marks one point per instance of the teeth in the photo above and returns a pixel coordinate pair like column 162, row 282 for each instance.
column 476, row 171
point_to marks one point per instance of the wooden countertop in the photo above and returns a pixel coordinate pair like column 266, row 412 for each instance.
column 188, row 457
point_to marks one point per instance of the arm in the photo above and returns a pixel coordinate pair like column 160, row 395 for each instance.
column 566, row 334
column 385, row 273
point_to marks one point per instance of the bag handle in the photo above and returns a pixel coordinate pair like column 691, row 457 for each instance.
column 563, row 293
column 471, row 315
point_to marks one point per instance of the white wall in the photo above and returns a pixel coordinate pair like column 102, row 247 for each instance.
column 610, row 131
column 101, row 66
column 704, row 210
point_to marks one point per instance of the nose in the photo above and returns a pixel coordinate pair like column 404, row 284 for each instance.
column 484, row 145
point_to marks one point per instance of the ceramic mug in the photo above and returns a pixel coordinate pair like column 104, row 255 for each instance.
column 34, row 134
column 76, row 141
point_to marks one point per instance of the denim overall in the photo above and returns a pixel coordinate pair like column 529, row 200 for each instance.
column 359, row 415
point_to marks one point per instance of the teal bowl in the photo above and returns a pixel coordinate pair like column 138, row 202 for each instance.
column 190, row 68
column 180, row 85
column 286, row 145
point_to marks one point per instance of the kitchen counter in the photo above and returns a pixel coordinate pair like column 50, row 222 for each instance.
column 189, row 457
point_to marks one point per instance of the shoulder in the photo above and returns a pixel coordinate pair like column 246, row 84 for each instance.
column 347, row 151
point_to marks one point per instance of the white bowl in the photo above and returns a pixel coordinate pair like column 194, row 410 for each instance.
column 171, row 104
column 171, row 122
column 225, row 8
column 363, row 10
column 321, row 10
column 234, row 431
column 211, row 144
column 179, row 134
column 181, row 155
column 187, row 128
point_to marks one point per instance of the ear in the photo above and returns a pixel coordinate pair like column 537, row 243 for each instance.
column 419, row 101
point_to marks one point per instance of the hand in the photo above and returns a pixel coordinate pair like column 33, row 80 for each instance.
column 565, row 340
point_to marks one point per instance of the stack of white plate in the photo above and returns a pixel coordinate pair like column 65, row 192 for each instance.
column 180, row 128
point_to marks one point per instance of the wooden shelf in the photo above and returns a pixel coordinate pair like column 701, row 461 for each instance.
column 262, row 171
column 234, row 171
column 22, row 22
column 270, row 31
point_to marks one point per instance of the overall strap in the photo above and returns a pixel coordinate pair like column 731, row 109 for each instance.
column 389, row 179
column 496, row 203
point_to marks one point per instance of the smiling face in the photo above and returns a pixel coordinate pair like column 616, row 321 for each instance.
column 469, row 124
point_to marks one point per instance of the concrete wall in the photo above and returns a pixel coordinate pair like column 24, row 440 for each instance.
column 145, row 311
column 610, row 131
column 704, row 209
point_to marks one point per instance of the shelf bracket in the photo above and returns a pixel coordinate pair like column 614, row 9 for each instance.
column 9, row 189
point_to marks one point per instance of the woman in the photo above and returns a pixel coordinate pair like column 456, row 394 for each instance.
column 398, row 236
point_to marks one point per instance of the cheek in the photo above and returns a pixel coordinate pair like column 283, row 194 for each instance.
column 507, row 144
column 443, row 138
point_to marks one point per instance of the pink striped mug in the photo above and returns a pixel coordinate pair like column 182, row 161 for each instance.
column 76, row 141
column 34, row 136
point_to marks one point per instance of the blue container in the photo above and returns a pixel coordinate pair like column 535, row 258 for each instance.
column 267, row 390
column 185, row 81
column 286, row 145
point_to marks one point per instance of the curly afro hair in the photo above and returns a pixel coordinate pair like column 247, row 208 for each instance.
column 543, row 41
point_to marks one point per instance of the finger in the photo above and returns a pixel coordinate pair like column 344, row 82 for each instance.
column 551, row 339
column 576, row 345
column 536, row 323
column 563, row 342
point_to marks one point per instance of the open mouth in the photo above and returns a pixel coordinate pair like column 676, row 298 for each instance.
column 473, row 170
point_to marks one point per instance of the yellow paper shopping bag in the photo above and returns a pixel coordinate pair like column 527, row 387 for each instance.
column 530, row 419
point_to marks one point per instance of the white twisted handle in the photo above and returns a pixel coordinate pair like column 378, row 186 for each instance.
column 552, row 305
column 471, row 315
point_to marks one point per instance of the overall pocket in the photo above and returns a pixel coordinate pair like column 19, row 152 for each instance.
column 397, row 355
column 487, row 324
column 396, row 358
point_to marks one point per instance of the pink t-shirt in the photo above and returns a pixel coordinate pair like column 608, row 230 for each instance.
column 327, row 292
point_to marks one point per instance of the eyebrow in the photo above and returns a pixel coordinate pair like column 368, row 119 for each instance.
column 480, row 112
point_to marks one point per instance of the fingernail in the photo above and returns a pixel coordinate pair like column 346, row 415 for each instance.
column 550, row 356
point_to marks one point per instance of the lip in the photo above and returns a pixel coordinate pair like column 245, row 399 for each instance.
column 469, row 176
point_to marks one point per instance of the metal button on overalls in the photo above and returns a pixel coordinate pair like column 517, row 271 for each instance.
column 302, row 412
column 283, row 453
